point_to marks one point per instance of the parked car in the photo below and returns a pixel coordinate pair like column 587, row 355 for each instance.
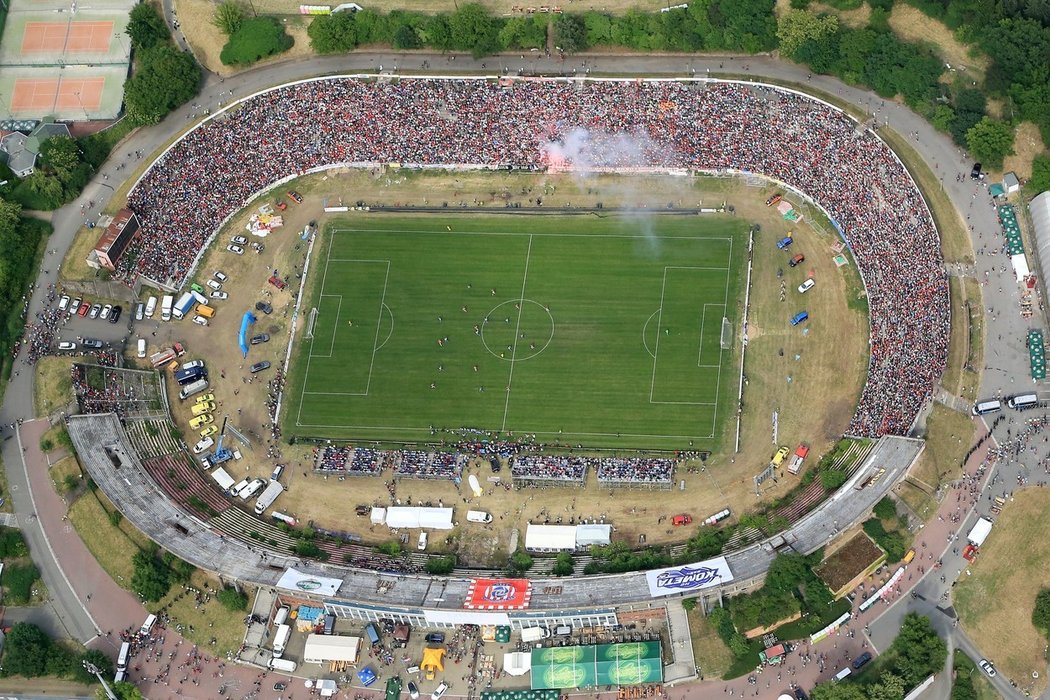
column 219, row 295
column 197, row 288
column 220, row 275
column 413, row 690
column 92, row 343
column 140, row 311
column 986, row 665
column 114, row 315
column 800, row 694
column 681, row 519
column 797, row 260
column 95, row 310
column 235, row 249
column 104, row 312
column 439, row 691
column 807, row 285
column 239, row 240
column 203, row 445
column 205, row 398
column 975, row 172
column 67, row 345
column 200, row 320
column 209, row 431
column 74, row 306
column 214, row 284
column 260, row 366
column 298, row 199
column 261, row 338
column 774, row 199
column 798, row 318
column 63, row 303
column 85, row 307
column 435, row 638
column 264, row 307
column 201, row 421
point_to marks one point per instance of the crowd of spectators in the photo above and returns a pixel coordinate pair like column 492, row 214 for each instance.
column 105, row 391
column 210, row 174
column 640, row 471
column 549, row 468
column 352, row 461
column 415, row 464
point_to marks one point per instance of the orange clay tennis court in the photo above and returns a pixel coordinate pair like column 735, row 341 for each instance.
column 59, row 94
column 72, row 37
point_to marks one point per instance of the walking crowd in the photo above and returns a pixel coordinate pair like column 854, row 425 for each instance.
column 209, row 175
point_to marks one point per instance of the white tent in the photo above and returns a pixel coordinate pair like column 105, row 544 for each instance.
column 550, row 538
column 586, row 535
column 1040, row 210
column 517, row 663
column 426, row 518
column 377, row 516
column 1020, row 263
column 980, row 532
column 321, row 648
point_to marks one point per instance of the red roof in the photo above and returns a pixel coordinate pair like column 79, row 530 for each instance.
column 802, row 451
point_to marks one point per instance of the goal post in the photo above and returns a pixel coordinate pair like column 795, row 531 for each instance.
column 727, row 334
column 311, row 322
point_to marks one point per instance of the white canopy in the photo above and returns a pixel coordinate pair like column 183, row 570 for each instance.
column 980, row 531
column 517, row 663
column 416, row 517
column 1020, row 263
column 550, row 538
column 293, row 580
column 378, row 516
column 586, row 535
column 321, row 648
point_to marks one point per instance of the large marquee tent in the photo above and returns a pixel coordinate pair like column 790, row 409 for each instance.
column 630, row 663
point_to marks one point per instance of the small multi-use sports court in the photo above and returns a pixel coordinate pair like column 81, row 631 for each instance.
column 66, row 60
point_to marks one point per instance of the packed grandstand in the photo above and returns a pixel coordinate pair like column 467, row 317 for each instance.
column 702, row 125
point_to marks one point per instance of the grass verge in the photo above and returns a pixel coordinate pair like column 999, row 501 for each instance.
column 710, row 653
column 995, row 600
column 53, row 387
column 949, row 434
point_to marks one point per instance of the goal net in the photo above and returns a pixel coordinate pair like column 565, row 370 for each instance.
column 727, row 334
column 311, row 322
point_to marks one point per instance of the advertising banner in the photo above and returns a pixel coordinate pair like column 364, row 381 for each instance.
column 498, row 594
column 690, row 577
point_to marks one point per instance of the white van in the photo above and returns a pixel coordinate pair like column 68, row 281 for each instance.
column 478, row 516
column 142, row 347
column 193, row 388
column 123, row 657
column 280, row 640
column 280, row 616
column 843, row 674
column 251, row 489
column 151, row 307
column 147, row 625
column 422, row 544
column 990, row 406
column 1023, row 401
column 283, row 665
column 237, row 487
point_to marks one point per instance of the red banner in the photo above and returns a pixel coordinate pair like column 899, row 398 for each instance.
column 498, row 594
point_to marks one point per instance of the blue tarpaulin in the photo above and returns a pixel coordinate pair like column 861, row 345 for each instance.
column 246, row 324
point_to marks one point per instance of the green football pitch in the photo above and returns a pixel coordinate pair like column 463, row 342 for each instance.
column 605, row 332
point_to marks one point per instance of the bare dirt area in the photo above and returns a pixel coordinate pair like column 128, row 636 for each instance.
column 786, row 367
column 913, row 25
column 995, row 601
column 1028, row 143
column 854, row 18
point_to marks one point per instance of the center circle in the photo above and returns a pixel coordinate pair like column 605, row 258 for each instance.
column 517, row 330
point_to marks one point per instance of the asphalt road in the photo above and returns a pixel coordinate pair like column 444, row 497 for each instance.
column 1007, row 359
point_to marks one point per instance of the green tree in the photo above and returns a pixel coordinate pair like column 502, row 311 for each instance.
column 843, row 690
column 889, row 686
column 150, row 578
column 1040, row 180
column 474, row 29
column 797, row 27
column 563, row 565
column 146, row 27
column 831, row 479
column 970, row 105
column 519, row 563
column 441, row 566
column 917, row 651
column 97, row 659
column 524, row 33
column 26, row 650
column 123, row 691
column 406, row 38
column 165, row 79
column 990, row 141
column 1041, row 612
column 228, row 16
column 254, row 40
column 333, row 33
column 233, row 599
column 570, row 33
